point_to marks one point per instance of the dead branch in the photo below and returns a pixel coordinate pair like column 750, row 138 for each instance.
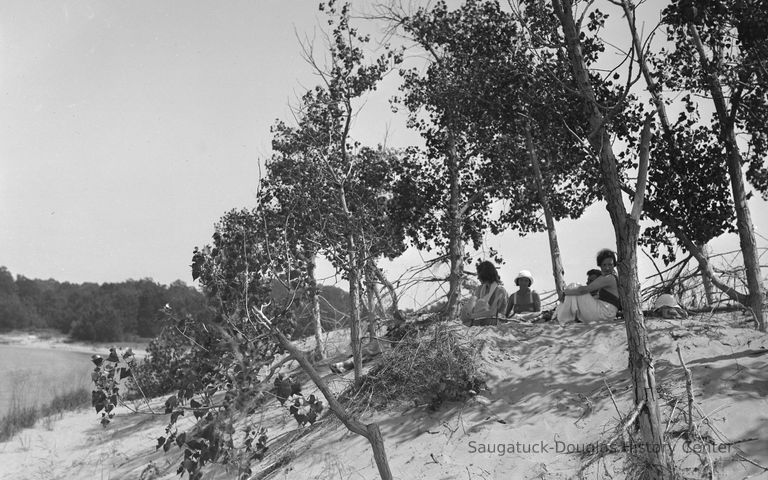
column 689, row 389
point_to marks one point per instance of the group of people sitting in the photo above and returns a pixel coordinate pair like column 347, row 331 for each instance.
column 596, row 301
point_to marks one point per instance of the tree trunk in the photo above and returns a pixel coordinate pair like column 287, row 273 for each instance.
column 627, row 230
column 354, row 312
column 314, row 301
column 653, row 87
column 743, row 215
column 371, row 300
column 396, row 313
column 554, row 246
column 708, row 290
column 354, row 275
column 370, row 431
column 455, row 241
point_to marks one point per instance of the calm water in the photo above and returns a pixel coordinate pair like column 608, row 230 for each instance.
column 31, row 376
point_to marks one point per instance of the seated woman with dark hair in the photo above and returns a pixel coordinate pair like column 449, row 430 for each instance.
column 490, row 299
column 580, row 304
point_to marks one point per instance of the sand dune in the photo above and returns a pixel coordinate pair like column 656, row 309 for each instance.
column 546, row 402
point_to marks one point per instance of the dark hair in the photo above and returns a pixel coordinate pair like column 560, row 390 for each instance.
column 605, row 253
column 594, row 271
column 487, row 273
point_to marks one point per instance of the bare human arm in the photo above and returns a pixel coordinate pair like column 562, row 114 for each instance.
column 510, row 305
column 606, row 281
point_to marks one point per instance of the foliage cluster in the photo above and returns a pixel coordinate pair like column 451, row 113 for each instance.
column 218, row 367
column 221, row 401
column 92, row 312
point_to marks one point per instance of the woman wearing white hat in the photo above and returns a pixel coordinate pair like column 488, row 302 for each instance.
column 524, row 300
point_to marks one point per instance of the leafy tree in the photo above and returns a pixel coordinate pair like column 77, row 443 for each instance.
column 340, row 175
column 440, row 196
column 508, row 82
column 12, row 314
column 151, row 299
column 497, row 123
column 626, row 228
column 719, row 53
column 688, row 181
column 110, row 311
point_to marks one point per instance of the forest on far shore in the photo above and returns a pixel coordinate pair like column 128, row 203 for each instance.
column 124, row 311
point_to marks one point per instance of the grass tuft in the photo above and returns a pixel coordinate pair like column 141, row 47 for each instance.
column 20, row 417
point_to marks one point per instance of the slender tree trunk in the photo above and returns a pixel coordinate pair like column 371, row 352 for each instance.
column 379, row 302
column 354, row 274
column 396, row 313
column 627, row 230
column 455, row 242
column 314, row 300
column 743, row 215
column 354, row 310
column 371, row 300
column 708, row 289
column 653, row 87
column 554, row 246
column 370, row 431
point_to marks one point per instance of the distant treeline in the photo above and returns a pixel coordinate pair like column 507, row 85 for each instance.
column 125, row 310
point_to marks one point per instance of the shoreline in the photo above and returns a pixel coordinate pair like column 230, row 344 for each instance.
column 48, row 341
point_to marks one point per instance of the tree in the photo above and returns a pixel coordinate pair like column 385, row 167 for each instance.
column 341, row 176
column 688, row 187
column 626, row 228
column 719, row 52
column 12, row 314
column 441, row 200
column 495, row 87
column 237, row 272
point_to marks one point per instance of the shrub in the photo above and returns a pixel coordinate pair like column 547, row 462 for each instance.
column 430, row 368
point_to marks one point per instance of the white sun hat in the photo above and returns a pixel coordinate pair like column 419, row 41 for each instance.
column 524, row 274
column 665, row 300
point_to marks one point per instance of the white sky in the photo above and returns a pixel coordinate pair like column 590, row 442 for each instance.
column 128, row 128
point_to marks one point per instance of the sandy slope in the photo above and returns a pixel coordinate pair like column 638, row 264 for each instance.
column 546, row 392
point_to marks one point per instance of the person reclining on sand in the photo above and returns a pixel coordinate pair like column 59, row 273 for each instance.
column 666, row 306
column 369, row 351
column 579, row 302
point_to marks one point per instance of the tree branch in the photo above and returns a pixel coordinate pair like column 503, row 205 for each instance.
column 642, row 173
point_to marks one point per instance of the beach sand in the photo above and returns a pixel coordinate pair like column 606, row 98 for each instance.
column 551, row 393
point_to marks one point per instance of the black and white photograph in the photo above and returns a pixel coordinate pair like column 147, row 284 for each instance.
column 383, row 239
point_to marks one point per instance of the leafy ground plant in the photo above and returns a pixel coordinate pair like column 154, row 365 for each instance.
column 222, row 432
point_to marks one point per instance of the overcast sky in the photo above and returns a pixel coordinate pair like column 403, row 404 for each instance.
column 127, row 128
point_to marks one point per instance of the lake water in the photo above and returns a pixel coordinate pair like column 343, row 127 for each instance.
column 33, row 376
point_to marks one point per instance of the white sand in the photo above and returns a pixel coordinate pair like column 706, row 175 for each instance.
column 546, row 384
